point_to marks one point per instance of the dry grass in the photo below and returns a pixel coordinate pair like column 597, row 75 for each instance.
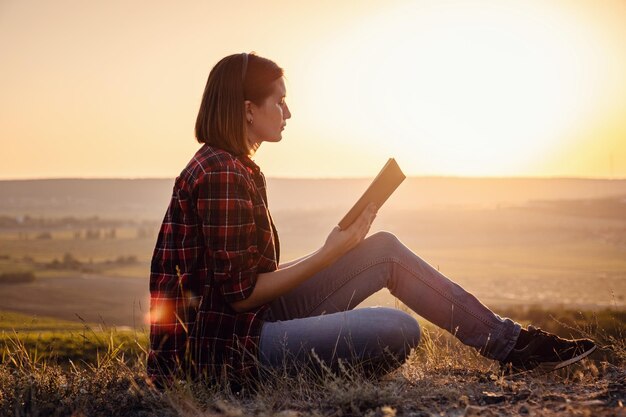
column 441, row 377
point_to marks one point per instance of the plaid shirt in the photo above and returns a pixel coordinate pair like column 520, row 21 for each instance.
column 217, row 235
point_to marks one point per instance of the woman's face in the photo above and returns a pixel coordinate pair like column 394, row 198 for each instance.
column 267, row 121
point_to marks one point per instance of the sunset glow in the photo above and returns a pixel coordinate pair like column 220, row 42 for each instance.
column 475, row 88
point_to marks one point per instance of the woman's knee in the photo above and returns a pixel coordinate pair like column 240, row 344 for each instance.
column 409, row 328
column 400, row 332
column 384, row 243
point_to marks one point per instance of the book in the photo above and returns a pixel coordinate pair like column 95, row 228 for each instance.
column 385, row 183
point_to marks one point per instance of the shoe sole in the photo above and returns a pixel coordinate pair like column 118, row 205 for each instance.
column 546, row 367
column 553, row 366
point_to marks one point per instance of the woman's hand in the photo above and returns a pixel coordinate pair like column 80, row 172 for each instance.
column 340, row 241
column 271, row 285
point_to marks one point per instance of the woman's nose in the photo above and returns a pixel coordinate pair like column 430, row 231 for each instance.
column 287, row 113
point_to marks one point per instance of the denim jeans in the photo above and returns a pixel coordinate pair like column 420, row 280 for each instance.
column 316, row 322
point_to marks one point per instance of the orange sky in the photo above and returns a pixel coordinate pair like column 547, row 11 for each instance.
column 470, row 88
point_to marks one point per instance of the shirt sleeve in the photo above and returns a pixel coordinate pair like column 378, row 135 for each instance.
column 229, row 231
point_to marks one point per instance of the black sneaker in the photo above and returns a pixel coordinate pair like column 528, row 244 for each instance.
column 545, row 352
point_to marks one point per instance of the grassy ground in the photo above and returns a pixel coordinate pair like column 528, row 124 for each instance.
column 105, row 376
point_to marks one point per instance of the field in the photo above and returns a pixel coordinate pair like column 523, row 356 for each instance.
column 74, row 267
column 513, row 256
column 58, row 368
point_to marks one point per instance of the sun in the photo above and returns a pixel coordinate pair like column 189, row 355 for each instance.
column 462, row 91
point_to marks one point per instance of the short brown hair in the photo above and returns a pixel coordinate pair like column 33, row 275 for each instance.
column 221, row 119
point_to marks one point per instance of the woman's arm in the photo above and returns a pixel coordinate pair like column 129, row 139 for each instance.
column 271, row 285
column 288, row 264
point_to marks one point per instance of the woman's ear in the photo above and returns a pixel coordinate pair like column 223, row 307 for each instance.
column 249, row 111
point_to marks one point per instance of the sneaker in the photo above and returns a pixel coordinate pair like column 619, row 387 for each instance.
column 546, row 352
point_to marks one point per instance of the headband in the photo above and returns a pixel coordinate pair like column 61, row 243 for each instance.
column 244, row 66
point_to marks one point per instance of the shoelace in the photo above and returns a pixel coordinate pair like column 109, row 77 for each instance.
column 536, row 331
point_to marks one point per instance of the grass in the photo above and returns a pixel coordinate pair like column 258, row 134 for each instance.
column 10, row 321
column 61, row 341
column 93, row 371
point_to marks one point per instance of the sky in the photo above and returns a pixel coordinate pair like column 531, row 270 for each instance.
column 449, row 88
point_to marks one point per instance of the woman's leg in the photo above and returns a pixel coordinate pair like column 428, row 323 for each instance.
column 382, row 261
column 360, row 338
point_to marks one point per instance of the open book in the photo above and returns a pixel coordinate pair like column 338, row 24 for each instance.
column 378, row 192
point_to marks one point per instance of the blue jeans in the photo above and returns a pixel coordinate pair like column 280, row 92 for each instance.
column 315, row 323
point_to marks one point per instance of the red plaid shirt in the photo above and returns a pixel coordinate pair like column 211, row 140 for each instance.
column 217, row 235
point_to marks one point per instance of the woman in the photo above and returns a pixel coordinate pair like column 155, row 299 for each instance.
column 222, row 307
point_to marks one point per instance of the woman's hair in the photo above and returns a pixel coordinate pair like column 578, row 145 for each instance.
column 221, row 119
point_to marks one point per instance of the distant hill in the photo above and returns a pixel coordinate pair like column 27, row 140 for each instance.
column 148, row 198
column 145, row 198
